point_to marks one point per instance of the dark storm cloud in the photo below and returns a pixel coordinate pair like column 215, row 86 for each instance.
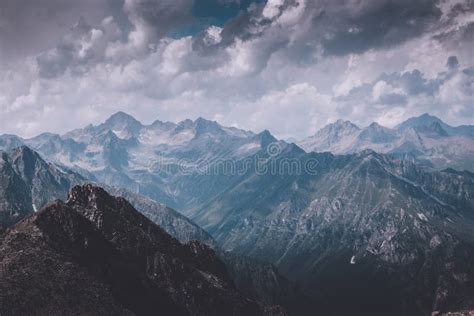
column 84, row 45
column 251, row 23
column 339, row 27
column 29, row 27
column 55, row 62
column 218, row 12
column 332, row 27
column 160, row 16
column 413, row 82
column 380, row 24
column 343, row 28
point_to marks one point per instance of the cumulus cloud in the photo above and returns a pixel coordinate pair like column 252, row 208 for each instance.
column 29, row 27
column 409, row 93
column 82, row 48
column 289, row 66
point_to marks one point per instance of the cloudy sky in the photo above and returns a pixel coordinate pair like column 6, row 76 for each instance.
column 289, row 66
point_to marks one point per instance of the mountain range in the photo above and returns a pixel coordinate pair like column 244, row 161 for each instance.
column 258, row 280
column 425, row 138
column 369, row 217
column 95, row 254
column 154, row 160
column 366, row 228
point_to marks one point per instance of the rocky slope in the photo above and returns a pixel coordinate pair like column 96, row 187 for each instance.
column 256, row 279
column 95, row 254
column 377, row 233
column 263, row 282
column 426, row 138
column 175, row 224
column 27, row 183
column 16, row 197
column 156, row 160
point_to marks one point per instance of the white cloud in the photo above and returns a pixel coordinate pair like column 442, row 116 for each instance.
column 272, row 8
column 273, row 75
column 298, row 107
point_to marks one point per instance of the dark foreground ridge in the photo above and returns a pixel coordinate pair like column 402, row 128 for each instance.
column 95, row 254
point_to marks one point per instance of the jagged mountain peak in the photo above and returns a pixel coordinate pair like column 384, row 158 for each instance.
column 114, row 260
column 108, row 211
column 161, row 124
column 87, row 194
column 375, row 125
column 26, row 160
column 203, row 126
column 175, row 224
column 338, row 128
column 121, row 118
column 338, row 132
column 123, row 125
column 340, row 124
column 377, row 133
column 422, row 120
column 265, row 138
column 426, row 137
column 202, row 120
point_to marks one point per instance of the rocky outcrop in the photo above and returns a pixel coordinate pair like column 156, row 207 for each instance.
column 27, row 183
column 175, row 224
column 377, row 233
column 95, row 254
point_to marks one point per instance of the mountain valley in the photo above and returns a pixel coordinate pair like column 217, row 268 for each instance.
column 370, row 217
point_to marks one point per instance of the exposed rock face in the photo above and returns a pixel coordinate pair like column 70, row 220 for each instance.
column 147, row 159
column 261, row 281
column 381, row 234
column 377, row 233
column 426, row 138
column 95, row 254
column 27, row 183
column 175, row 224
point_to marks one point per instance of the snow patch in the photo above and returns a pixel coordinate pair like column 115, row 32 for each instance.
column 422, row 217
column 248, row 147
column 353, row 260
column 122, row 134
column 34, row 208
